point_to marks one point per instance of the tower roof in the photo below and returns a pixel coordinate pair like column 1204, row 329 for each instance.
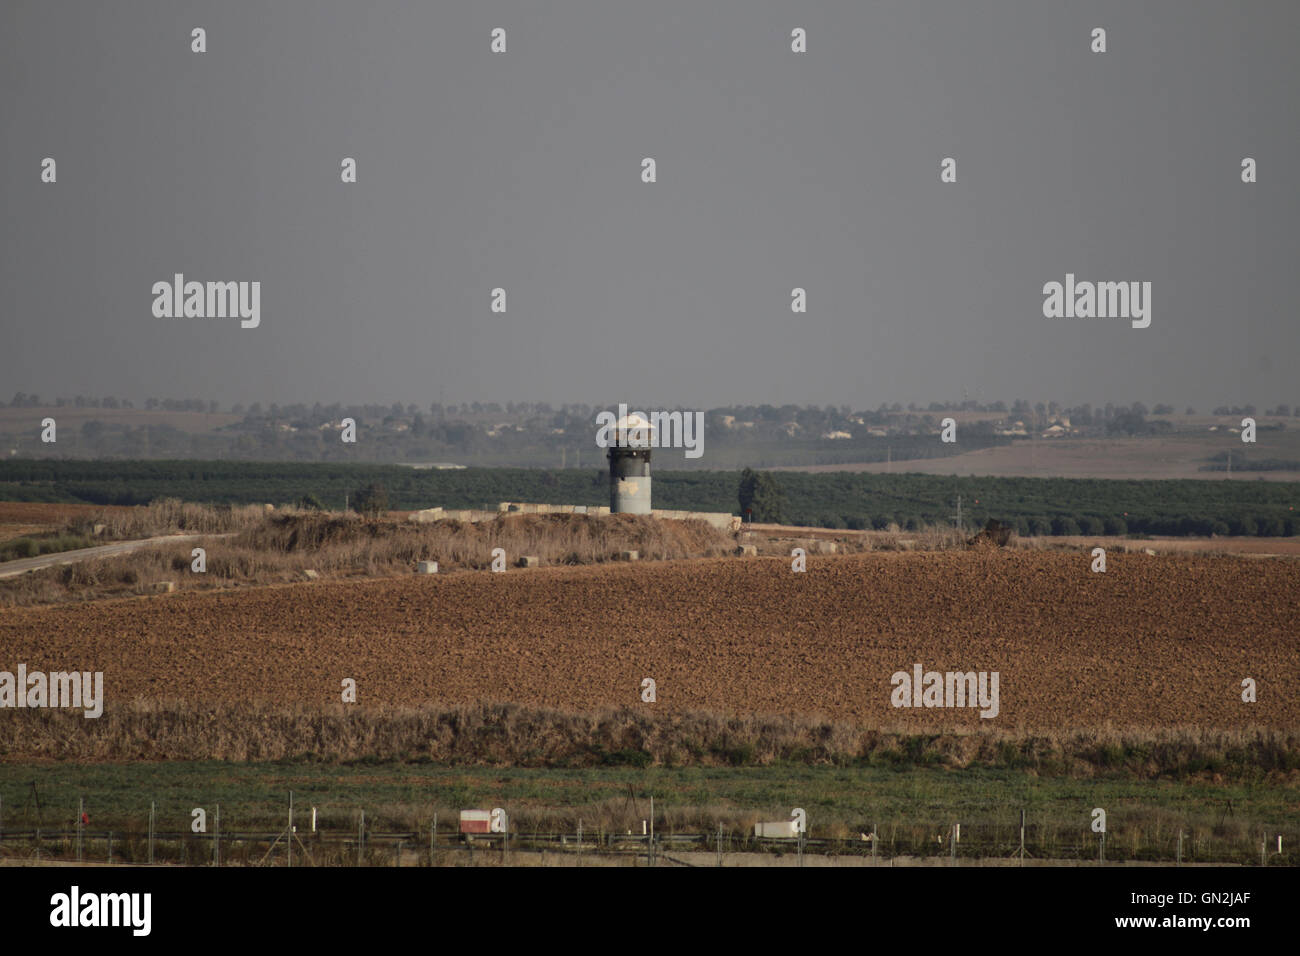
column 634, row 430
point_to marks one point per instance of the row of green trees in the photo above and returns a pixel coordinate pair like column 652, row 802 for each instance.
column 1073, row 524
column 838, row 499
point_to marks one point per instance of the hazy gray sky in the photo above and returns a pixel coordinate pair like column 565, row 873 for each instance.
column 775, row 170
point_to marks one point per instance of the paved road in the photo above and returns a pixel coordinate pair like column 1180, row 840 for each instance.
column 11, row 569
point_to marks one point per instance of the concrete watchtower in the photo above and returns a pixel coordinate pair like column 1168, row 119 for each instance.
column 629, row 466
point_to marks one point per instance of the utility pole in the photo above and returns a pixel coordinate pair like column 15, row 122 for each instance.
column 958, row 522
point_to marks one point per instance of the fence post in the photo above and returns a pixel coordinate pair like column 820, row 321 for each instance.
column 1022, row 837
column 216, row 838
column 153, row 808
column 81, row 810
column 433, row 842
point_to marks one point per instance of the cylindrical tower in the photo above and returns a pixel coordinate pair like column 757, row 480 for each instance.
column 629, row 466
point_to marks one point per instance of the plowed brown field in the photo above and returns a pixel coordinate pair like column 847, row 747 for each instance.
column 1153, row 642
column 27, row 517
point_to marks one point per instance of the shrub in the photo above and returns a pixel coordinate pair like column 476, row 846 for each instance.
column 1092, row 525
column 761, row 497
column 372, row 500
column 26, row 548
column 1064, row 524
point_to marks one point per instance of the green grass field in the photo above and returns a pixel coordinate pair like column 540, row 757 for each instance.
column 911, row 808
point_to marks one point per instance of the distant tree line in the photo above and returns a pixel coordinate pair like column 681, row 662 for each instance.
column 834, row 500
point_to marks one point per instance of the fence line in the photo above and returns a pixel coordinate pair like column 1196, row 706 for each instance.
column 449, row 847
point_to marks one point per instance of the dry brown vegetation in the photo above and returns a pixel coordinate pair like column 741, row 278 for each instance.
column 262, row 547
column 166, row 516
column 500, row 734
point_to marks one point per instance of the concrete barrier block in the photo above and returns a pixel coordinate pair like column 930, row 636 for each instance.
column 427, row 567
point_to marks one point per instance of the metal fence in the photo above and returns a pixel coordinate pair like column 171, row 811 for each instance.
column 884, row 844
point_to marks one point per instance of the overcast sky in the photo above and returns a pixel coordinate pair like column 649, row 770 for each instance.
column 776, row 169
